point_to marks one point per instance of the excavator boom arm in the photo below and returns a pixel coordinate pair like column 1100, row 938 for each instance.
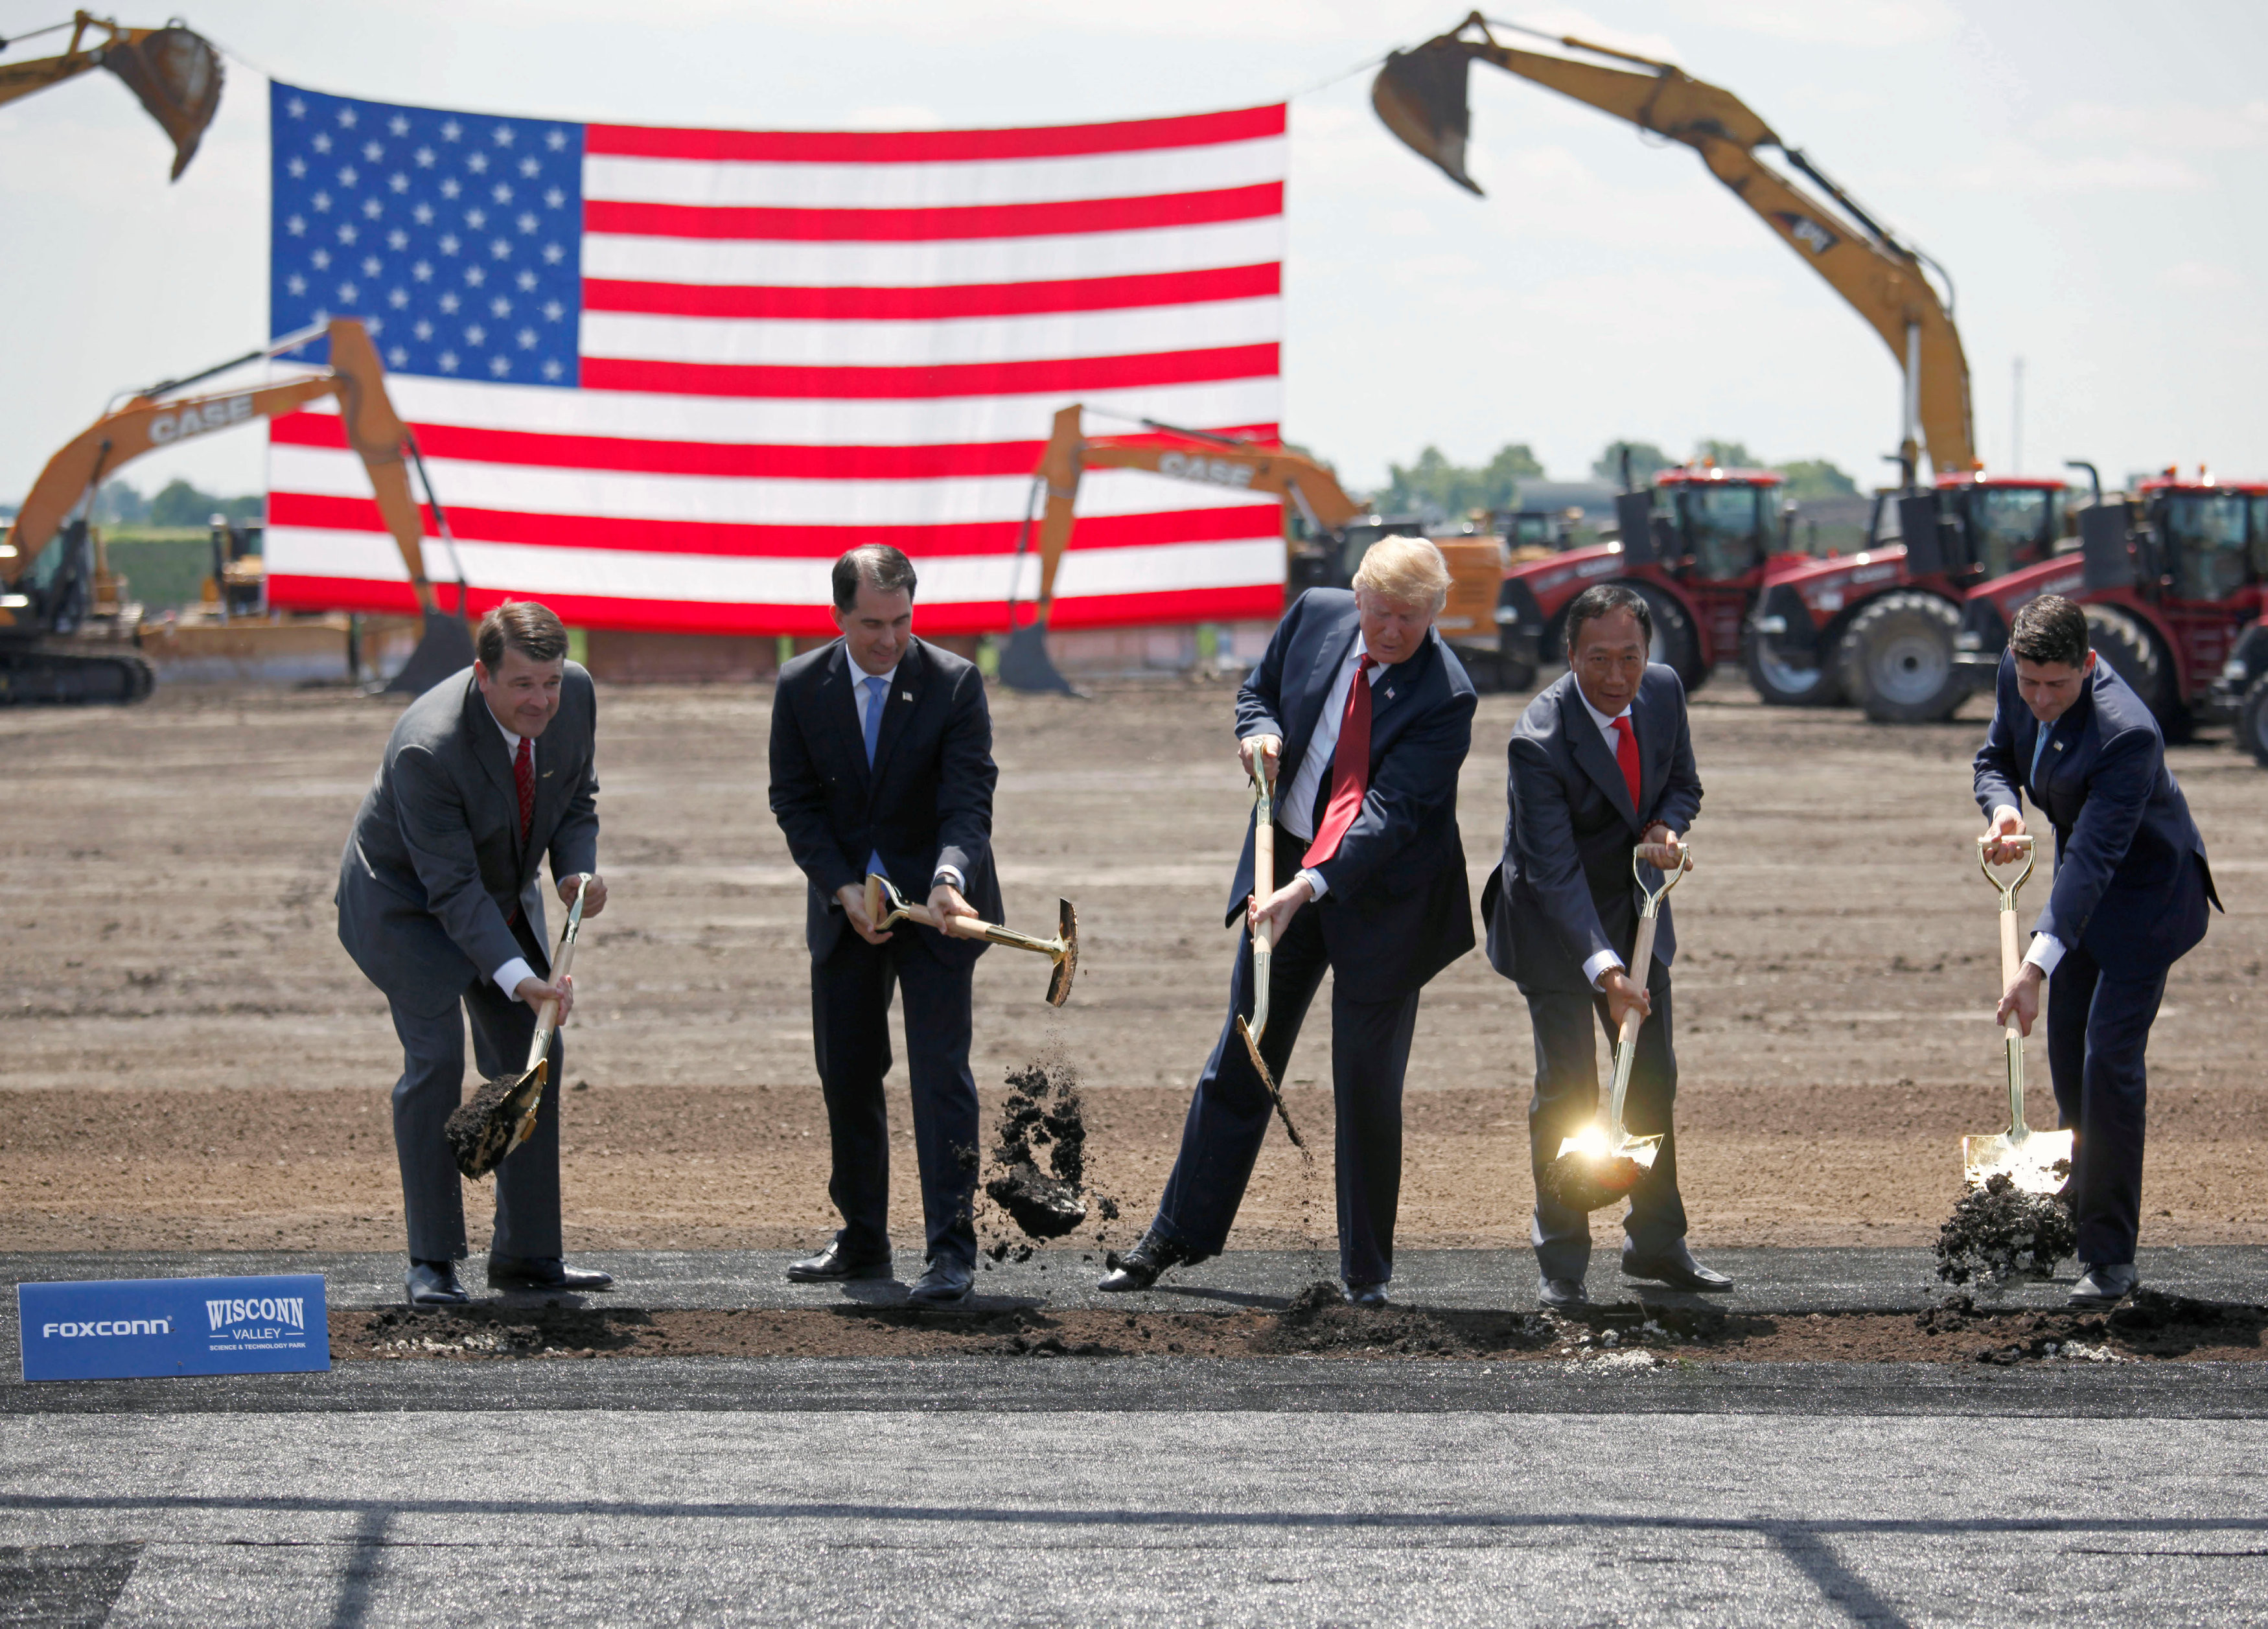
column 144, row 425
column 1293, row 478
column 1420, row 95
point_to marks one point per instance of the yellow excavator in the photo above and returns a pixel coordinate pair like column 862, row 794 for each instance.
column 174, row 72
column 1421, row 95
column 67, row 632
column 1333, row 529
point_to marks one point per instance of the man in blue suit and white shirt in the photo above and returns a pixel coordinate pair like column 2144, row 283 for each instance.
column 1601, row 763
column 2132, row 886
column 1361, row 716
column 882, row 761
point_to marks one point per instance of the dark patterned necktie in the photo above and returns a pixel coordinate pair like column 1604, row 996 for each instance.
column 523, row 775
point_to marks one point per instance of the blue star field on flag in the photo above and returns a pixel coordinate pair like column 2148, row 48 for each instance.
column 455, row 237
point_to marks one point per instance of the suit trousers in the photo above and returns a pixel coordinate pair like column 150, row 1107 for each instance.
column 850, row 1028
column 2098, row 1030
column 1228, row 1115
column 1567, row 1099
column 431, row 1085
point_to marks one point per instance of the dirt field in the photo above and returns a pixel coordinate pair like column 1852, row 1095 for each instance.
column 189, row 1060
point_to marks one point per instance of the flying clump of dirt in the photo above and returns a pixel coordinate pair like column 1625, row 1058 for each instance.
column 1043, row 1117
column 1998, row 1232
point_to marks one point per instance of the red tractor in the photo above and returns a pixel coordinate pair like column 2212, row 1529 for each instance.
column 2172, row 582
column 1877, row 628
column 1696, row 548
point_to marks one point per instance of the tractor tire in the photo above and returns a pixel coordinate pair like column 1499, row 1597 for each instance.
column 1677, row 644
column 1896, row 660
column 2132, row 653
column 1782, row 684
column 2252, row 723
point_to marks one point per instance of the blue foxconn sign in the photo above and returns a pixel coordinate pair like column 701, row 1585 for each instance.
column 119, row 1329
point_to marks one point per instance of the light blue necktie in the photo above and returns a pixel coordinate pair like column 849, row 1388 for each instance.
column 878, row 692
column 2038, row 752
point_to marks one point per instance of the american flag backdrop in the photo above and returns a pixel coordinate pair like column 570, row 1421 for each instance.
column 662, row 378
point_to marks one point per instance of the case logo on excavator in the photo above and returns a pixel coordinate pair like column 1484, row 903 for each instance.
column 1807, row 231
column 1196, row 467
column 193, row 421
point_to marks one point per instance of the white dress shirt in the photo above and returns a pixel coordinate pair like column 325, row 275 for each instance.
column 507, row 978
column 1596, row 967
column 1295, row 804
column 864, row 694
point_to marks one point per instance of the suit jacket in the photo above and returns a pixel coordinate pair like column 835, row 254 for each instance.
column 1398, row 909
column 1564, row 891
column 926, row 802
column 2131, row 881
column 435, row 865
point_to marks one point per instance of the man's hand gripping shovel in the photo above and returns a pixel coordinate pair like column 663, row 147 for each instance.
column 1264, row 885
column 2029, row 1159
column 501, row 1115
column 1603, row 1161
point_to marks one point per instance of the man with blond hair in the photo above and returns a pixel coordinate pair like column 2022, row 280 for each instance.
column 1361, row 717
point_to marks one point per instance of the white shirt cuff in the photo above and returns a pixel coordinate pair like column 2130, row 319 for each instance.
column 1316, row 887
column 508, row 976
column 1595, row 968
column 2046, row 951
column 950, row 874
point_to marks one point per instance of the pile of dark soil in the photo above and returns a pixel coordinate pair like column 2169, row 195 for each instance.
column 1998, row 1232
column 1581, row 1183
column 1633, row 1334
column 1043, row 1113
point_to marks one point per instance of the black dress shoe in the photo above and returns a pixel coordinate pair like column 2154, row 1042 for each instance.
column 1677, row 1268
column 544, row 1272
column 944, row 1283
column 1372, row 1296
column 434, row 1284
column 836, row 1265
column 1562, row 1295
column 1137, row 1269
column 2104, row 1286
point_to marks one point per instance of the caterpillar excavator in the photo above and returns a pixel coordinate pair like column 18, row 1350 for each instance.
column 1332, row 530
column 67, row 632
column 173, row 72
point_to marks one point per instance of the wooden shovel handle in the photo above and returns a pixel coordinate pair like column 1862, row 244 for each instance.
column 1264, row 870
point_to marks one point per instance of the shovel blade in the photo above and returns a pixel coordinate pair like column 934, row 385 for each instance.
column 2030, row 1164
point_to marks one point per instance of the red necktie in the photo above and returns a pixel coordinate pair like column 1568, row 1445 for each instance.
column 1350, row 769
column 522, row 773
column 1626, row 754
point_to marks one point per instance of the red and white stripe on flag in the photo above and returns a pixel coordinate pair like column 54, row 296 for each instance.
column 793, row 343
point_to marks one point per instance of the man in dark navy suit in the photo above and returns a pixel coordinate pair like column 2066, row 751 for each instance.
column 1601, row 763
column 882, row 761
column 2132, row 886
column 1361, row 716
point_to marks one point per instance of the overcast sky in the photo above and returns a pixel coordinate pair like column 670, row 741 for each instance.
column 2079, row 167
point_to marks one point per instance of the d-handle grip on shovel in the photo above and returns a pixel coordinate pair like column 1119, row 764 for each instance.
column 2012, row 962
column 547, row 1016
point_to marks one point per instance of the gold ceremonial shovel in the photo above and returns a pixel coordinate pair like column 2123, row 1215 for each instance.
column 2027, row 1157
column 1063, row 949
column 1264, row 885
column 501, row 1115
column 1603, row 1161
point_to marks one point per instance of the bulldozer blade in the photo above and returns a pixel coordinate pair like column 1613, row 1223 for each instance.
column 445, row 647
column 1268, row 1079
column 1025, row 665
column 176, row 75
column 2031, row 1163
column 1420, row 96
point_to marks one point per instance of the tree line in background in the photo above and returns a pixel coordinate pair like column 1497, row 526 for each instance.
column 177, row 504
column 1433, row 485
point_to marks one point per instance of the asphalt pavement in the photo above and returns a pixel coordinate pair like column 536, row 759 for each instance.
column 1280, row 1490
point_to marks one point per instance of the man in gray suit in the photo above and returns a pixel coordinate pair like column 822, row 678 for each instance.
column 1601, row 763
column 441, row 906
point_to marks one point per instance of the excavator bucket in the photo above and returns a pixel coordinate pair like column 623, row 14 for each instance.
column 1420, row 95
column 176, row 74
column 444, row 648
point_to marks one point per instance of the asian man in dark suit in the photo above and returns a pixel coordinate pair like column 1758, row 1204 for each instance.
column 882, row 761
column 1362, row 718
column 2132, row 887
column 440, row 905
column 1601, row 763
